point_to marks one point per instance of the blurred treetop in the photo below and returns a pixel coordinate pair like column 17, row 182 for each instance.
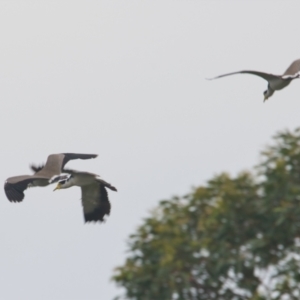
column 232, row 239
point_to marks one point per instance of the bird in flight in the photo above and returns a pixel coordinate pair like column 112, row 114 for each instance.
column 275, row 82
column 94, row 195
column 95, row 203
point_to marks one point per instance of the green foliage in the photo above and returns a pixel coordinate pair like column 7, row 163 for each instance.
column 233, row 239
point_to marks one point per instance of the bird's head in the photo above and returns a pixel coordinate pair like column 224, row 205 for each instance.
column 268, row 93
column 64, row 183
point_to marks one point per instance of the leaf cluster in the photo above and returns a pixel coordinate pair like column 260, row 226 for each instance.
column 232, row 239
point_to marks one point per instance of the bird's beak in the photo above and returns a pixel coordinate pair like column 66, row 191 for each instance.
column 57, row 187
column 266, row 98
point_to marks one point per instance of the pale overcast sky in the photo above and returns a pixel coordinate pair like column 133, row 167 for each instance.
column 126, row 80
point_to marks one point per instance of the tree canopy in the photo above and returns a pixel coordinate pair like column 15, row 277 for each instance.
column 234, row 238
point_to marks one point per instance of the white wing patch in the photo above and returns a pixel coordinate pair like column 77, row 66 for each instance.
column 57, row 178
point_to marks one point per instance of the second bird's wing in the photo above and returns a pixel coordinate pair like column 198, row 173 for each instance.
column 95, row 202
column 263, row 75
column 14, row 187
column 56, row 162
column 70, row 156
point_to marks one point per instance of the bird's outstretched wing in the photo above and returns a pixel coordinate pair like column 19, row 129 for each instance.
column 263, row 75
column 71, row 156
column 14, row 187
column 293, row 68
column 95, row 202
column 56, row 162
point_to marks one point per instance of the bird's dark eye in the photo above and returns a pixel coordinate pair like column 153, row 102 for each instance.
column 62, row 181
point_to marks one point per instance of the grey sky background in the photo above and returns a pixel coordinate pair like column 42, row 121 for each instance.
column 125, row 79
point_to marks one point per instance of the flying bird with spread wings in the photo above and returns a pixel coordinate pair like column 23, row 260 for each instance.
column 275, row 82
column 94, row 195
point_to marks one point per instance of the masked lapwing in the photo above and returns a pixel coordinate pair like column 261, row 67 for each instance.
column 14, row 187
column 94, row 196
column 275, row 82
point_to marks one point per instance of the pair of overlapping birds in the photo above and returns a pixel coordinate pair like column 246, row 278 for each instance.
column 93, row 189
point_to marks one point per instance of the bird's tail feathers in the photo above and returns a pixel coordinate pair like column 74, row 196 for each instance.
column 36, row 169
